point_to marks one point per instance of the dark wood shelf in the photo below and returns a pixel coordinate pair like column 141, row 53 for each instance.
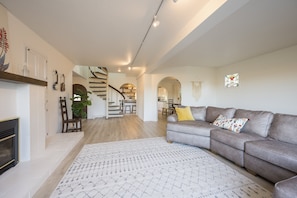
column 18, row 79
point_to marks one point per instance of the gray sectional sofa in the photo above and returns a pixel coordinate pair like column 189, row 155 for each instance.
column 266, row 145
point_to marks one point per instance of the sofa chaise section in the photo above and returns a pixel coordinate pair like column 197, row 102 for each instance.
column 275, row 159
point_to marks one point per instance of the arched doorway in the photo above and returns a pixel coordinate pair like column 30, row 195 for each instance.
column 128, row 105
column 78, row 89
column 169, row 89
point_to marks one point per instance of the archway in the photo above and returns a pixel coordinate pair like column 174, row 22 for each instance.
column 169, row 89
column 78, row 89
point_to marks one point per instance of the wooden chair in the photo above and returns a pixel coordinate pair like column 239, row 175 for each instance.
column 68, row 125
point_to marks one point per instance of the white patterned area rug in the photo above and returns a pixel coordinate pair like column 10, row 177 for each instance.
column 152, row 168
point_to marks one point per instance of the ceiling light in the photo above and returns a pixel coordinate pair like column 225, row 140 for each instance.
column 156, row 23
column 129, row 68
column 175, row 1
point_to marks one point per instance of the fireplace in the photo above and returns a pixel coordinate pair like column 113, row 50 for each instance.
column 8, row 144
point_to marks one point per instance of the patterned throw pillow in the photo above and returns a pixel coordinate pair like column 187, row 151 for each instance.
column 234, row 124
column 184, row 114
column 220, row 120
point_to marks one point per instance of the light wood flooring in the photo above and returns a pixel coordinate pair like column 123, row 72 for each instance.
column 116, row 129
column 105, row 130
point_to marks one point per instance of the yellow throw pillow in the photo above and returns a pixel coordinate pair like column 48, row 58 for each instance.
column 184, row 114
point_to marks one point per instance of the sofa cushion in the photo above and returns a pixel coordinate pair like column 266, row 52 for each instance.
column 191, row 127
column 284, row 128
column 232, row 124
column 259, row 121
column 184, row 114
column 235, row 140
column 213, row 112
column 199, row 113
column 278, row 153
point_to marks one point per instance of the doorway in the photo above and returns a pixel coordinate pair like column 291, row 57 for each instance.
column 169, row 89
column 78, row 89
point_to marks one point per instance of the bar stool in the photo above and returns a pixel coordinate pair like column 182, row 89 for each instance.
column 134, row 108
column 127, row 108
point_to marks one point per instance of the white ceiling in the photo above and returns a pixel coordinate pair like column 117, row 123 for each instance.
column 191, row 33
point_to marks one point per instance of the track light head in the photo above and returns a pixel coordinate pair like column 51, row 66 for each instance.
column 156, row 23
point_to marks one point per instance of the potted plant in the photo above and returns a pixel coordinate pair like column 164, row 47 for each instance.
column 80, row 101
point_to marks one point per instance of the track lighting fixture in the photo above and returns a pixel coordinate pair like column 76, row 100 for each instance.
column 156, row 23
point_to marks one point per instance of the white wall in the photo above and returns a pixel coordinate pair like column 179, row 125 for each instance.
column 148, row 88
column 140, row 105
column 267, row 82
column 118, row 79
column 20, row 36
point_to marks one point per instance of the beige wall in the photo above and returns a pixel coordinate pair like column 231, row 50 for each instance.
column 267, row 82
column 20, row 36
column 148, row 88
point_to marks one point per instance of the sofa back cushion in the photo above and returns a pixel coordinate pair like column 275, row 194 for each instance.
column 284, row 128
column 213, row 112
column 198, row 113
column 258, row 123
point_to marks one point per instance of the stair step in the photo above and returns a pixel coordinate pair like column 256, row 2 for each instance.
column 114, row 105
column 97, row 82
column 100, row 74
column 115, row 113
column 97, row 87
column 98, row 78
column 99, row 91
column 115, row 116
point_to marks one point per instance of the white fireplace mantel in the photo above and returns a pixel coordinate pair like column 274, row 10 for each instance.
column 24, row 98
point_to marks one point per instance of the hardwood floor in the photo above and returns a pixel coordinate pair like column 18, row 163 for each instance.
column 102, row 130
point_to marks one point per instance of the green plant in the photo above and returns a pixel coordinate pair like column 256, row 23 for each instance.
column 79, row 103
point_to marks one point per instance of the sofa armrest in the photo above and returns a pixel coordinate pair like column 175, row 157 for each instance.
column 285, row 188
column 172, row 118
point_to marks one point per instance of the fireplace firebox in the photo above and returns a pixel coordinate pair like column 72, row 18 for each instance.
column 8, row 144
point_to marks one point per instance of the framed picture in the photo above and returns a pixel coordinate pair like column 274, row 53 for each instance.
column 232, row 80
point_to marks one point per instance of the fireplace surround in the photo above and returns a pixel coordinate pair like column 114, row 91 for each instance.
column 8, row 144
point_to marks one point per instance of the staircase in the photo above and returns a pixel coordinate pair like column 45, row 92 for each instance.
column 98, row 82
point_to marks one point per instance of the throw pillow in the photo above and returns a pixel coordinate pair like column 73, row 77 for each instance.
column 184, row 114
column 233, row 124
column 219, row 121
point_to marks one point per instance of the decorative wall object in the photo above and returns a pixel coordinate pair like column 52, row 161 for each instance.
column 35, row 65
column 62, row 83
column 4, row 49
column 196, row 89
column 232, row 80
column 55, row 85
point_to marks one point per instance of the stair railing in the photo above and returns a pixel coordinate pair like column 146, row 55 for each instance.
column 112, row 94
